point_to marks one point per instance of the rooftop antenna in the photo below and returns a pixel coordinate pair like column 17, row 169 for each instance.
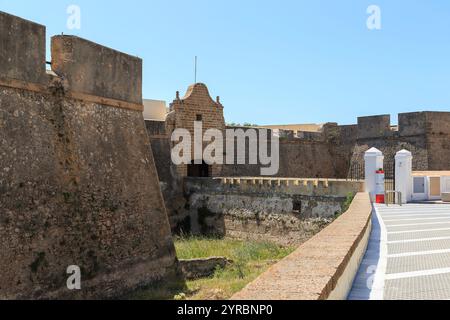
column 195, row 71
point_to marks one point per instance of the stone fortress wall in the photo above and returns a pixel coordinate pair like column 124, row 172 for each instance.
column 335, row 152
column 425, row 134
column 82, row 184
column 332, row 152
column 78, row 182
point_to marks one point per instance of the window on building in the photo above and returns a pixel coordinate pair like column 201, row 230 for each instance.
column 199, row 117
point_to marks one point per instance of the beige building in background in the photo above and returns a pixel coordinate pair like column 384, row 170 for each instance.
column 155, row 110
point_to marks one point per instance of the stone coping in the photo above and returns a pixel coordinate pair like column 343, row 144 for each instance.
column 282, row 181
column 311, row 187
column 314, row 270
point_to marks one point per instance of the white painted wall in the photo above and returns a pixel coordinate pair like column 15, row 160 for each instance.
column 445, row 184
column 403, row 175
column 373, row 161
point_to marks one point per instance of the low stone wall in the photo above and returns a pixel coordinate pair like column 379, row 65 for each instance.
column 287, row 211
column 322, row 268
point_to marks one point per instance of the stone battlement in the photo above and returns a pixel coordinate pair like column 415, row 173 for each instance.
column 337, row 187
column 369, row 127
column 409, row 124
column 80, row 69
column 97, row 70
column 22, row 54
column 378, row 126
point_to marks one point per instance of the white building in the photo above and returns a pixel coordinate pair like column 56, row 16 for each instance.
column 412, row 185
column 431, row 185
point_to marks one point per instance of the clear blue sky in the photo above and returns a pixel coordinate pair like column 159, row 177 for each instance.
column 275, row 61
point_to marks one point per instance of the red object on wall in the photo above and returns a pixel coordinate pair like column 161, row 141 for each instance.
column 380, row 198
column 379, row 180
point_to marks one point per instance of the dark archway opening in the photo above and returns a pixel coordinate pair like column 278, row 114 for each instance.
column 198, row 170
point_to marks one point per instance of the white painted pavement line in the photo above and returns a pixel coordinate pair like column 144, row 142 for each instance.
column 413, row 209
column 418, row 230
column 418, row 253
column 411, row 205
column 416, row 219
column 377, row 290
column 417, row 224
column 415, row 274
column 410, row 211
column 414, row 216
column 418, row 240
column 407, row 216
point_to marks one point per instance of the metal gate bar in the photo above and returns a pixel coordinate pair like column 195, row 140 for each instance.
column 389, row 182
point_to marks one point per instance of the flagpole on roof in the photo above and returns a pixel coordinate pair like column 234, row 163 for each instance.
column 195, row 70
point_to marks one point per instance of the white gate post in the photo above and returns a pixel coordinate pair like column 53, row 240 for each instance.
column 373, row 161
column 403, row 175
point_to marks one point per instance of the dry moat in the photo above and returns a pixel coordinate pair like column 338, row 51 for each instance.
column 244, row 261
column 248, row 259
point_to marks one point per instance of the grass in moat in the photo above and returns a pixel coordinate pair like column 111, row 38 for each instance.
column 250, row 259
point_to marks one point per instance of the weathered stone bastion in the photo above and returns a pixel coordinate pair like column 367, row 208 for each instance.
column 286, row 211
column 78, row 183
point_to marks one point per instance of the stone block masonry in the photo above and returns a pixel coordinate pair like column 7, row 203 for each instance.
column 438, row 140
column 425, row 134
column 196, row 105
column 92, row 69
column 374, row 126
column 335, row 152
column 78, row 183
column 287, row 211
column 22, row 45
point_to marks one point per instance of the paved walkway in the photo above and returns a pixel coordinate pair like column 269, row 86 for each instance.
column 408, row 257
